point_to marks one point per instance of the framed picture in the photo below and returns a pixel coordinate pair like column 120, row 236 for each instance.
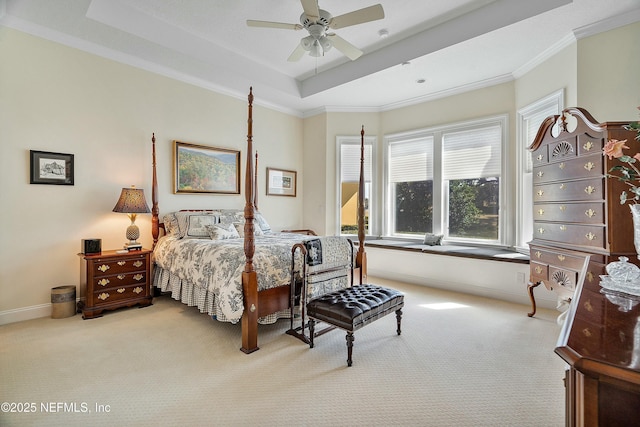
column 50, row 168
column 281, row 182
column 203, row 169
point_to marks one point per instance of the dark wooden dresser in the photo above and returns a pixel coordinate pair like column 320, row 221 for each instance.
column 113, row 280
column 579, row 223
column 600, row 341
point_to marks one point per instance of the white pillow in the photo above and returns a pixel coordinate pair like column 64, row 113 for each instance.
column 222, row 231
column 257, row 231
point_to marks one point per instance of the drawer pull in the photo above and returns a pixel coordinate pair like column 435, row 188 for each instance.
column 121, row 290
column 138, row 276
column 563, row 228
column 540, row 157
column 561, row 165
column 538, row 254
column 121, row 263
column 589, row 189
column 563, row 208
column 137, row 263
column 541, row 212
column 103, row 267
column 540, row 174
column 590, row 213
column 103, row 282
column 588, row 306
column 541, row 230
column 561, row 257
column 589, row 165
column 586, row 332
column 562, row 187
column 590, row 276
column 103, row 296
column 540, row 193
column 137, row 290
column 538, row 269
column 588, row 146
column 121, row 276
column 590, row 236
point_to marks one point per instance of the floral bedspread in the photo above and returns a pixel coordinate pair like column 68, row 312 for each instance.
column 217, row 265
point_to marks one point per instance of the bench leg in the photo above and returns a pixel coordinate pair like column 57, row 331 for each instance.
column 312, row 325
column 350, row 339
column 398, row 320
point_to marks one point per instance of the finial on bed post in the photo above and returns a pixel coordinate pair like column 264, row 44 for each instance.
column 155, row 223
column 361, row 256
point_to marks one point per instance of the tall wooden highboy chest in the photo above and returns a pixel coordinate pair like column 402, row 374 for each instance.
column 579, row 225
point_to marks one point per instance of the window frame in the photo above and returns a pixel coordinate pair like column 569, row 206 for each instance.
column 373, row 206
column 440, row 193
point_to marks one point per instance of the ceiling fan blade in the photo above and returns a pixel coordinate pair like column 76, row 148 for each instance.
column 297, row 53
column 269, row 24
column 360, row 16
column 311, row 9
column 345, row 47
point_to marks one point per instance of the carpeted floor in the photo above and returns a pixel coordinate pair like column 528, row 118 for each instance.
column 479, row 362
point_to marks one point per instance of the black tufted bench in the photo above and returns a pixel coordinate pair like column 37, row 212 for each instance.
column 352, row 308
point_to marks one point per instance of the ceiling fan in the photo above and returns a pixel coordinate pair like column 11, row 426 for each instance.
column 318, row 22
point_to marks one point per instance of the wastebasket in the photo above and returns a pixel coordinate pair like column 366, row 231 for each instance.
column 63, row 301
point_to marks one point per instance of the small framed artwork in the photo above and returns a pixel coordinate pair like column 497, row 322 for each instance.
column 203, row 169
column 281, row 182
column 50, row 168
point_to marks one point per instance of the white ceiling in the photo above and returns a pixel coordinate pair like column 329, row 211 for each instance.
column 453, row 45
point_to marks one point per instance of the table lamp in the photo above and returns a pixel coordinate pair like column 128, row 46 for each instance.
column 132, row 202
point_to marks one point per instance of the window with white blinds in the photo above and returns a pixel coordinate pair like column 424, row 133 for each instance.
column 470, row 154
column 411, row 161
column 348, row 166
column 350, row 162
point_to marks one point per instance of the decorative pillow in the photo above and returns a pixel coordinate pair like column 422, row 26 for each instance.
column 433, row 239
column 264, row 225
column 193, row 223
column 232, row 215
column 222, row 231
column 257, row 231
column 170, row 224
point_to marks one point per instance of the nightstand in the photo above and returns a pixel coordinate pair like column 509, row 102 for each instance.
column 113, row 280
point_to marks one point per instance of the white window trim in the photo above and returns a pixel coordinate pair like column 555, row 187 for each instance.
column 373, row 203
column 439, row 223
column 524, row 215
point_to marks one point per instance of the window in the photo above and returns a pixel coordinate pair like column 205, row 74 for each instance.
column 446, row 180
column 349, row 170
column 529, row 120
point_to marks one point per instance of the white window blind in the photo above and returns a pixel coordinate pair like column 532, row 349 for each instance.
column 532, row 123
column 350, row 162
column 474, row 153
column 411, row 160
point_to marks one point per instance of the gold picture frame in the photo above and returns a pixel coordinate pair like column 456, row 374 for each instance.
column 202, row 169
column 281, row 182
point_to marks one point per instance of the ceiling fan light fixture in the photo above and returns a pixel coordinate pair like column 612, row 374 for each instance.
column 316, row 50
column 325, row 43
column 307, row 42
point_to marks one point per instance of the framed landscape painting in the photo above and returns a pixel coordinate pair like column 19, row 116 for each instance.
column 50, row 168
column 203, row 169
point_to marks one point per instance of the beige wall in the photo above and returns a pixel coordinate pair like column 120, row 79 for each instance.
column 55, row 98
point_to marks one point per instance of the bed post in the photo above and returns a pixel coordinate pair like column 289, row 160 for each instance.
column 155, row 223
column 249, row 275
column 361, row 256
column 255, row 184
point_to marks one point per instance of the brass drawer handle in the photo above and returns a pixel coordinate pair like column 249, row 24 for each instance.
column 561, row 165
column 137, row 290
column 590, row 236
column 588, row 146
column 540, row 193
column 121, row 290
column 586, row 332
column 103, row 296
column 589, row 189
column 138, row 276
column 590, row 276
column 538, row 254
column 538, row 269
column 563, row 228
column 121, row 263
column 561, row 257
column 540, row 157
column 588, row 306
column 541, row 212
column 589, row 165
column 562, row 186
column 540, row 174
column 103, row 282
column 541, row 230
column 563, row 208
column 137, row 263
column 103, row 267
column 590, row 213
column 121, row 276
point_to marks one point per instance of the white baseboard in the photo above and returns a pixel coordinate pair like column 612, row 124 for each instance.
column 25, row 313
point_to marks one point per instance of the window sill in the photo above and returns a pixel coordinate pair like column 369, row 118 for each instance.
column 487, row 253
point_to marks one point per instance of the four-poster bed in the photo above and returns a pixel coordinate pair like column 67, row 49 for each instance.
column 241, row 292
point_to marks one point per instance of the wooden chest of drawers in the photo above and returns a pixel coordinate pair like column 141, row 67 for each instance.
column 112, row 280
column 579, row 225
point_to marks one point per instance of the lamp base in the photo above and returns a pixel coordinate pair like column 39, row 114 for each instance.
column 133, row 246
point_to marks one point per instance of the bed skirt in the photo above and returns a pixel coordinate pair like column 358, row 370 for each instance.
column 195, row 296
